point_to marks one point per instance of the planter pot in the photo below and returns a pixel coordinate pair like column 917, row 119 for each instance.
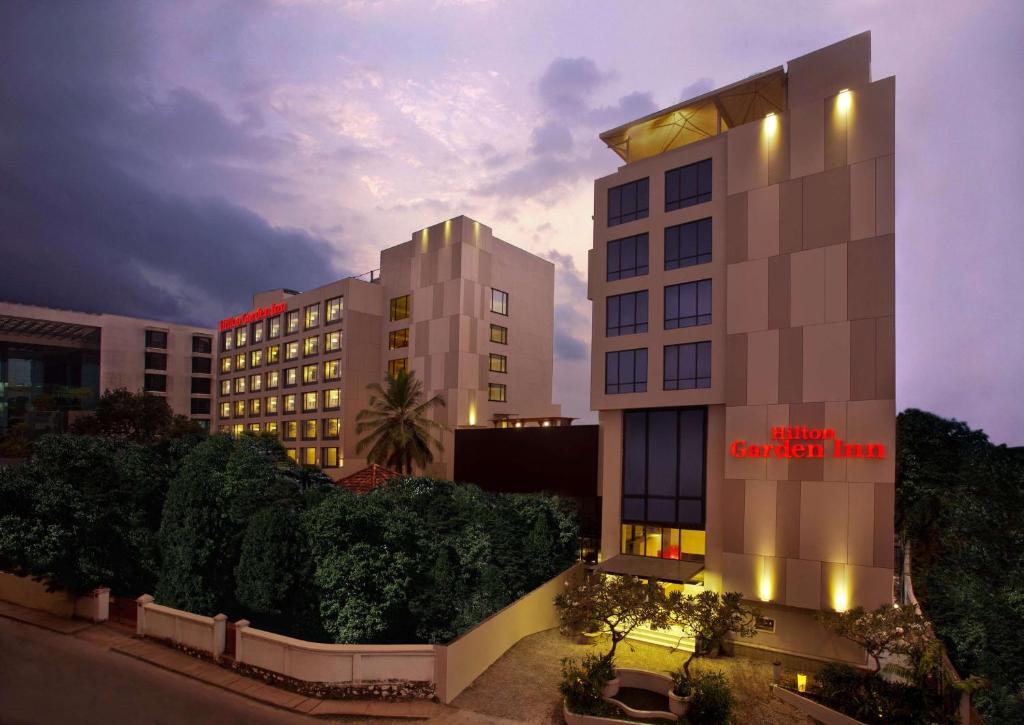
column 611, row 688
column 678, row 705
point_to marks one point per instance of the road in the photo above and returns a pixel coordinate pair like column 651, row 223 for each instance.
column 52, row 678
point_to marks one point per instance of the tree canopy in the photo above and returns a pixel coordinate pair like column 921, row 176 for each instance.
column 400, row 432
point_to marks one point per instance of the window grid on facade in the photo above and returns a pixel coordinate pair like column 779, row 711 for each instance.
column 255, row 358
column 291, row 377
column 627, row 257
column 202, row 344
column 332, row 369
column 397, row 365
column 273, row 354
column 309, row 429
column 154, row 383
column 291, row 322
column 288, row 403
column 311, row 316
column 497, row 363
column 225, row 387
column 662, row 542
column 241, row 336
column 309, row 402
column 332, row 341
column 225, row 364
column 308, row 456
column 311, row 346
column 688, row 304
column 626, row 314
column 625, row 371
column 688, row 185
column 332, row 399
column 257, row 332
column 499, row 301
column 398, row 339
column 688, row 366
column 628, row 202
column 497, row 393
column 157, row 339
column 202, row 365
column 310, row 373
column 274, row 327
column 688, row 244
column 332, row 428
column 271, row 405
column 290, row 431
column 333, row 309
column 330, row 457
column 240, row 361
column 201, row 386
column 398, row 309
column 240, row 385
column 156, row 360
column 273, row 379
column 255, row 383
column 291, row 350
column 499, row 334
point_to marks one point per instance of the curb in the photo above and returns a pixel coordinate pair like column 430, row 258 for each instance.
column 78, row 626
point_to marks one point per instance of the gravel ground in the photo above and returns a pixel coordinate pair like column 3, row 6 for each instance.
column 523, row 684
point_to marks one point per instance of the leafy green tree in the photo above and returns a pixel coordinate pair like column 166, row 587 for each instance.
column 399, row 431
column 138, row 417
column 708, row 617
column 887, row 630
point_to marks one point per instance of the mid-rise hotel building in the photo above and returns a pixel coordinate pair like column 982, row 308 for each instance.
column 470, row 314
column 742, row 279
column 54, row 364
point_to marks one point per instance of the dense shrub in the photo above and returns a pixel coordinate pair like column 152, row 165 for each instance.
column 582, row 684
column 871, row 699
column 713, row 700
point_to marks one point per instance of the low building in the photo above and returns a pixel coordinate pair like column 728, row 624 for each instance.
column 470, row 314
column 54, row 364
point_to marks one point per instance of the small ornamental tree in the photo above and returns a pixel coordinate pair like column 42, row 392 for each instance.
column 620, row 603
column 887, row 630
column 708, row 617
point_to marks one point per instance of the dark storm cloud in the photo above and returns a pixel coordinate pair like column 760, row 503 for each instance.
column 570, row 323
column 108, row 189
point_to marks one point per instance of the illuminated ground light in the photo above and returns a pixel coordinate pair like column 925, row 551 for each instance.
column 472, row 414
column 764, row 584
column 841, row 595
column 801, row 682
column 844, row 100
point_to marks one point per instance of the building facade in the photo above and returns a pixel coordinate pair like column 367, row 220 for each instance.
column 743, row 282
column 470, row 314
column 54, row 364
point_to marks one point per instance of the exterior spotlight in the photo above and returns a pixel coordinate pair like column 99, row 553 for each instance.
column 843, row 100
column 801, row 682
column 771, row 124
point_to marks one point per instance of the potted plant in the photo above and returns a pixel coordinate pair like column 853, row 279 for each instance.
column 681, row 694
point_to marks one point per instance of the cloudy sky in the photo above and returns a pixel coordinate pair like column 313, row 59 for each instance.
column 168, row 159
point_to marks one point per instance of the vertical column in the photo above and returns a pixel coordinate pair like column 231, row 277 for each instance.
column 140, row 617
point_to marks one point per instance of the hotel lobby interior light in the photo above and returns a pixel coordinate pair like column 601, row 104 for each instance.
column 844, row 100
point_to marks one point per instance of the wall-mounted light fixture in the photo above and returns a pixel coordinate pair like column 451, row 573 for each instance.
column 771, row 124
column 844, row 100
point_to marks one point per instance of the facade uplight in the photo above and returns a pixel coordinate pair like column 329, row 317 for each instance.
column 844, row 100
column 771, row 124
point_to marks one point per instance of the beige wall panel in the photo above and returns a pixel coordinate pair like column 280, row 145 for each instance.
column 778, row 153
column 803, row 583
column 779, row 297
column 885, row 195
column 871, row 273
column 807, row 277
column 870, row 587
column 861, row 537
column 749, row 423
column 862, row 360
column 736, row 228
column 811, row 415
column 763, row 367
column 862, row 200
column 872, row 421
column 807, row 139
column 740, row 573
column 776, row 469
column 826, row 208
column 824, row 512
column 835, row 418
column 736, row 369
column 759, row 518
column 884, row 500
column 610, row 477
column 885, row 351
column 824, row 72
column 791, row 216
column 791, row 365
column 826, row 363
column 835, row 283
column 715, row 474
column 763, row 222
column 835, row 585
column 787, row 519
column 747, row 158
column 733, row 516
column 747, row 293
column 835, row 134
column 872, row 120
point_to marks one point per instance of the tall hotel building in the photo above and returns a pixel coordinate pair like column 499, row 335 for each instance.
column 742, row 277
column 470, row 314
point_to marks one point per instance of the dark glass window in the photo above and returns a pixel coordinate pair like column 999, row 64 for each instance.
column 156, row 361
column 156, row 338
column 155, row 383
column 688, row 304
column 499, row 301
column 202, row 365
column 628, row 202
column 201, row 406
column 688, row 244
column 202, row 344
column 688, row 366
column 627, row 257
column 663, row 466
column 627, row 314
column 688, row 185
column 625, row 371
column 201, row 386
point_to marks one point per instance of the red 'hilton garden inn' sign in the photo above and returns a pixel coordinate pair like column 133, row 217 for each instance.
column 258, row 314
column 788, row 442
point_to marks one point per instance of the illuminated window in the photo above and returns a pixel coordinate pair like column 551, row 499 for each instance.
column 240, row 361
column 311, row 345
column 310, row 373
column 241, row 335
column 688, row 185
column 330, row 457
column 255, row 358
column 625, row 371
column 499, row 334
column 254, row 427
column 291, row 377
column 225, row 387
column 398, row 338
column 399, row 308
column 271, row 405
column 628, row 202
column 291, row 322
column 311, row 316
column 332, row 341
column 627, row 257
column 332, row 428
column 499, row 301
column 291, row 350
column 688, row 366
column 688, row 244
column 238, row 429
column 292, row 454
column 661, row 542
column 274, row 327
column 497, row 363
column 687, row 305
column 255, row 406
column 496, row 393
column 332, row 399
column 626, row 314
column 309, row 456
column 332, row 369
column 309, row 430
column 225, row 364
column 273, row 354
column 255, row 383
column 226, row 340
column 273, row 379
column 257, row 332
column 288, row 403
column 224, row 429
column 225, row 410
column 309, row 401
column 270, row 426
column 333, row 308
column 290, row 431
column 397, row 365
column 239, row 385
column 239, row 408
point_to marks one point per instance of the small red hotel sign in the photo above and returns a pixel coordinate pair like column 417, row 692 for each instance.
column 802, row 442
column 253, row 315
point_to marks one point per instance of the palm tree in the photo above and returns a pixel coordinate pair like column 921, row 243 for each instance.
column 400, row 433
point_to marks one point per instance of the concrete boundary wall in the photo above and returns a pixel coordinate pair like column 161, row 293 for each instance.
column 205, row 634
column 32, row 593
